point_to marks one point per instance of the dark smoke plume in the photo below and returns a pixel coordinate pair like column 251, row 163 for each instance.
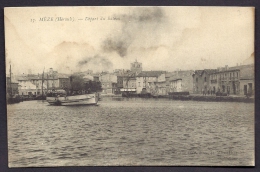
column 141, row 18
column 96, row 60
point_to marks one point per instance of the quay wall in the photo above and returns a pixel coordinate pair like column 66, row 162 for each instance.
column 212, row 98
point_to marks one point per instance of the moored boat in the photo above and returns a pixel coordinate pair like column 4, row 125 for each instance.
column 60, row 97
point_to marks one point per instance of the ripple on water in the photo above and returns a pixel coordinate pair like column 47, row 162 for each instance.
column 127, row 131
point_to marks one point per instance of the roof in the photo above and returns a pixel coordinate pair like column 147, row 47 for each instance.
column 178, row 75
column 223, row 71
column 150, row 73
column 128, row 74
column 61, row 75
column 22, row 78
column 198, row 72
column 209, row 71
column 34, row 77
column 169, row 74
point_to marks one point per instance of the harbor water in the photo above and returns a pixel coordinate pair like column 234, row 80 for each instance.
column 131, row 131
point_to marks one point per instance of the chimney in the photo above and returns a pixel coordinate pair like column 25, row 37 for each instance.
column 226, row 67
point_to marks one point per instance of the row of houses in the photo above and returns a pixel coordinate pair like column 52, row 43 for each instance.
column 237, row 80
column 32, row 85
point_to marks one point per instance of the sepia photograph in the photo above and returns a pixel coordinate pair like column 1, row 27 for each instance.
column 130, row 86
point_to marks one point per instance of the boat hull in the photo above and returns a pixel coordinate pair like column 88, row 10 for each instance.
column 85, row 99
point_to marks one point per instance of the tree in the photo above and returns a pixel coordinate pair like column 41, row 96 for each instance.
column 93, row 86
column 76, row 82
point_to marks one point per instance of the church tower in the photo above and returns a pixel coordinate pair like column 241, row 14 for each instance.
column 136, row 67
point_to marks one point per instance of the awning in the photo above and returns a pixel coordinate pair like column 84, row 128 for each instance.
column 127, row 89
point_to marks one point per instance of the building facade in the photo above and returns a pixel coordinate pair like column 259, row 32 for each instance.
column 201, row 80
column 153, row 82
column 247, row 80
column 12, row 87
column 238, row 80
column 182, row 81
column 225, row 81
column 108, row 83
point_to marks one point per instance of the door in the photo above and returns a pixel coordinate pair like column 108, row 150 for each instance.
column 234, row 88
column 245, row 89
column 223, row 88
column 250, row 89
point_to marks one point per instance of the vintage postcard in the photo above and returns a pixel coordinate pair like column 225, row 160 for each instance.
column 130, row 86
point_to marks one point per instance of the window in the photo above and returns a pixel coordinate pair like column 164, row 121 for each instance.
column 205, row 79
column 139, row 84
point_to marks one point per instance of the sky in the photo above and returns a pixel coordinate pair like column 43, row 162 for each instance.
column 161, row 38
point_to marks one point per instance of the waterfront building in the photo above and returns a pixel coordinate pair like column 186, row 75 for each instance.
column 129, row 82
column 30, row 85
column 237, row 80
column 153, row 82
column 120, row 80
column 52, row 79
column 181, row 81
column 120, row 73
column 225, row 80
column 247, row 80
column 11, row 88
column 129, row 77
column 108, row 83
column 201, row 80
column 168, row 75
column 108, row 87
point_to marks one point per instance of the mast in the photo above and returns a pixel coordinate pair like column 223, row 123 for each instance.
column 47, row 82
column 11, row 91
column 42, row 81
